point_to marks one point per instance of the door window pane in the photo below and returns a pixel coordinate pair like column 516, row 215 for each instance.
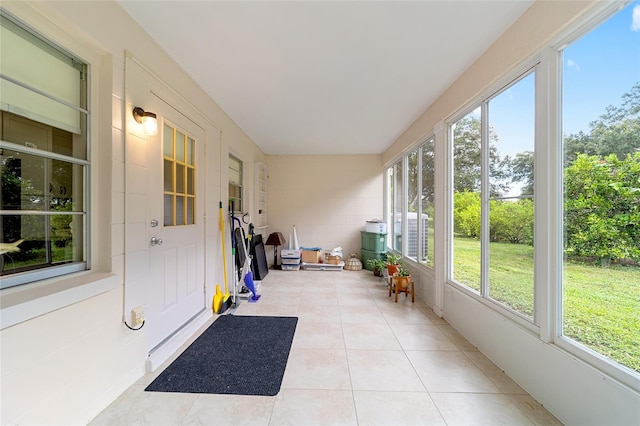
column 180, row 146
column 179, row 178
column 167, row 145
column 168, row 175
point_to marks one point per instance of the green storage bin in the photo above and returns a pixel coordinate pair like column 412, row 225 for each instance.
column 368, row 254
column 373, row 242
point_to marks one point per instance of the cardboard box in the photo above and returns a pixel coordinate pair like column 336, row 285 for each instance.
column 332, row 260
column 311, row 256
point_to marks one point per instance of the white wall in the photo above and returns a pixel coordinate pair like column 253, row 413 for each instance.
column 67, row 355
column 575, row 392
column 328, row 198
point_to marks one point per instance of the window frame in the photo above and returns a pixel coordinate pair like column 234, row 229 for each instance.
column 533, row 65
column 389, row 200
column 104, row 271
column 238, row 207
column 52, row 271
column 554, row 53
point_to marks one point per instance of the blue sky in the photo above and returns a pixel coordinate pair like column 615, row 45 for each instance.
column 599, row 68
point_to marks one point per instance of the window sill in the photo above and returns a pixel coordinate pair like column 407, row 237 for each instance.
column 19, row 304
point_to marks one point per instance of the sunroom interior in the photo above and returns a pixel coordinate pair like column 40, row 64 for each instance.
column 368, row 135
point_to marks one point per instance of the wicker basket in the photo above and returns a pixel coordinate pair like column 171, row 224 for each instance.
column 353, row 263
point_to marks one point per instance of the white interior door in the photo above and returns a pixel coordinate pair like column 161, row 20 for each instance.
column 175, row 224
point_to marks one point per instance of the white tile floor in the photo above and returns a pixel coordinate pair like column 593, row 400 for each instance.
column 357, row 358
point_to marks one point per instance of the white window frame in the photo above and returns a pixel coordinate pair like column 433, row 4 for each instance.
column 241, row 207
column 534, row 65
column 28, row 301
column 52, row 271
column 554, row 53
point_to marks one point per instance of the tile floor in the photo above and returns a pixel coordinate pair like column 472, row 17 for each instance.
column 357, row 358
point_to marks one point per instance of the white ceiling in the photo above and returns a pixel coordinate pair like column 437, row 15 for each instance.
column 325, row 77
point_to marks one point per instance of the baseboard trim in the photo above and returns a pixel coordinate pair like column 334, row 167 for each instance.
column 163, row 352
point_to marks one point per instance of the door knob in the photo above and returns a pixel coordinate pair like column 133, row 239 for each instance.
column 156, row 241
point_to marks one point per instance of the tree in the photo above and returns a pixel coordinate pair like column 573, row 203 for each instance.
column 522, row 171
column 512, row 221
column 602, row 207
column 616, row 131
column 467, row 161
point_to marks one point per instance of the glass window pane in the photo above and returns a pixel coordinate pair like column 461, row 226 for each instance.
column 180, row 210
column 40, row 240
column 27, row 246
column 168, row 210
column 397, row 207
column 191, row 188
column 180, row 137
column 389, row 206
column 511, row 117
column 511, row 254
column 168, row 141
column 23, row 181
column 168, row 175
column 601, row 141
column 466, row 134
column 190, row 211
column 66, row 238
column 190, row 149
column 428, row 198
column 412, row 206
column 180, row 182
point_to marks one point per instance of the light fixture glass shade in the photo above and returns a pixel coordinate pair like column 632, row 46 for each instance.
column 147, row 119
column 150, row 126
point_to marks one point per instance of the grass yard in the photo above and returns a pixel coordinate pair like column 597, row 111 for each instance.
column 601, row 306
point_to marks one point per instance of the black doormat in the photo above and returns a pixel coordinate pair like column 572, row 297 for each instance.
column 237, row 355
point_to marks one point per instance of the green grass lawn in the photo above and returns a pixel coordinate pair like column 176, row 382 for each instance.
column 601, row 306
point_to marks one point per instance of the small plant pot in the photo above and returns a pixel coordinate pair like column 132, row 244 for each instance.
column 392, row 269
column 402, row 282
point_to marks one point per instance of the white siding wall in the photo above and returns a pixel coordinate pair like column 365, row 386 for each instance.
column 65, row 365
column 328, row 198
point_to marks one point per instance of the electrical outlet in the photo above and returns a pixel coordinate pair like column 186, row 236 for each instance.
column 137, row 315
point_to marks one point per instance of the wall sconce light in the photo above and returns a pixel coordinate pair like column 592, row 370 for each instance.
column 147, row 119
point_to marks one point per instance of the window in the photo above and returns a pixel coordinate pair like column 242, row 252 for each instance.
column 427, row 202
column 420, row 203
column 395, row 207
column 466, row 135
column 413, row 202
column 493, row 158
column 235, row 183
column 179, row 177
column 419, row 207
column 601, row 172
column 43, row 158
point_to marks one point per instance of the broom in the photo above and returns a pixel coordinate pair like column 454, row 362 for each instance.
column 222, row 301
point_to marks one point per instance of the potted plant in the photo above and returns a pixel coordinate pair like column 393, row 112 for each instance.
column 402, row 277
column 392, row 263
column 377, row 265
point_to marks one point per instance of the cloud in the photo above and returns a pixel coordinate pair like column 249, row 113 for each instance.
column 572, row 64
column 635, row 19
